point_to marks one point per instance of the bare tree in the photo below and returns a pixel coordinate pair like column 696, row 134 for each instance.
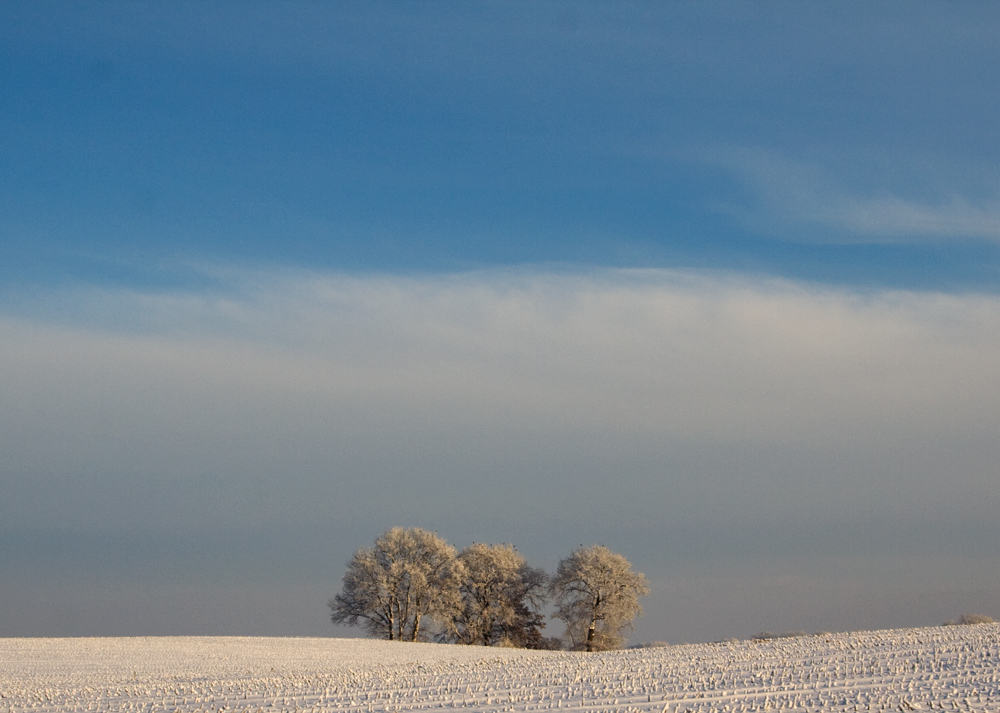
column 409, row 575
column 967, row 619
column 501, row 596
column 597, row 595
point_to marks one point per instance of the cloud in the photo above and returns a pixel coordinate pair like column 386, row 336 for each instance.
column 515, row 376
column 705, row 424
column 810, row 201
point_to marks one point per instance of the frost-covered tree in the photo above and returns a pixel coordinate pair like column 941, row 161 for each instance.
column 410, row 575
column 501, row 596
column 597, row 595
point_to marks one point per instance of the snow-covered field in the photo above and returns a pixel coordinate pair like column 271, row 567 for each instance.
column 947, row 668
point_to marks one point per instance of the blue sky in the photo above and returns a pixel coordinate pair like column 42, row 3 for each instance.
column 714, row 284
column 847, row 144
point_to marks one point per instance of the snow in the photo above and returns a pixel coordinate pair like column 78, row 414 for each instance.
column 943, row 668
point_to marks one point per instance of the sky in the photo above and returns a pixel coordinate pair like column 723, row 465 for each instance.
column 716, row 285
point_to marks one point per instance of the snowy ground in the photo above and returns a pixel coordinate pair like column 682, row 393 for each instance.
column 948, row 668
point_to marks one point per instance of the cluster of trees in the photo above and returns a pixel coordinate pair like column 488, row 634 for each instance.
column 414, row 586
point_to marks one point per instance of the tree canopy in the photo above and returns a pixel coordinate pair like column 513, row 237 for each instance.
column 597, row 595
column 409, row 575
column 501, row 598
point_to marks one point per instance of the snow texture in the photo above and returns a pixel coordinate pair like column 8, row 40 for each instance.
column 952, row 668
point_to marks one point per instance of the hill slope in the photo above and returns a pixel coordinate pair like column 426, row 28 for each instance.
column 950, row 668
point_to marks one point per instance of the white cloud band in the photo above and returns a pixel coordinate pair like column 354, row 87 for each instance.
column 761, row 394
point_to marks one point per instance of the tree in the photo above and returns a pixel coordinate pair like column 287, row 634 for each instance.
column 967, row 619
column 501, row 596
column 597, row 595
column 408, row 576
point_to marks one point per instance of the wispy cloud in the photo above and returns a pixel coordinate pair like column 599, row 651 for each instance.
column 798, row 197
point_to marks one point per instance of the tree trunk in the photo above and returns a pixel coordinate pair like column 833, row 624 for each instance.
column 416, row 627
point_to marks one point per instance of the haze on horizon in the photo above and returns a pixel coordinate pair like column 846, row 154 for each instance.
column 713, row 285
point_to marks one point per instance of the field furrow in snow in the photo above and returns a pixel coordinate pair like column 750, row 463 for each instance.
column 946, row 668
